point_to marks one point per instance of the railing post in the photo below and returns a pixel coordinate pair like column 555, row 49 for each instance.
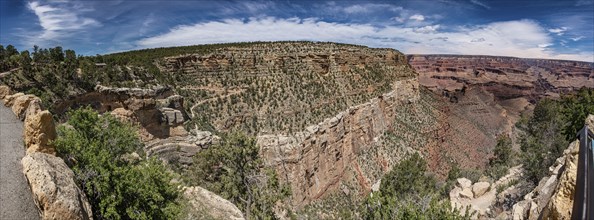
column 582, row 204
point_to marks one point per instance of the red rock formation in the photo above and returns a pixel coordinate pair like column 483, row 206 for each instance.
column 505, row 77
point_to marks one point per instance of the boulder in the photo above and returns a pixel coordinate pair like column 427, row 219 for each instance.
column 21, row 104
column 4, row 91
column 463, row 183
column 172, row 117
column 53, row 187
column 207, row 205
column 466, row 193
column 480, row 188
column 39, row 130
column 520, row 210
column 9, row 99
column 35, row 107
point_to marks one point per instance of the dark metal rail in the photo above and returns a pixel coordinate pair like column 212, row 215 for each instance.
column 583, row 202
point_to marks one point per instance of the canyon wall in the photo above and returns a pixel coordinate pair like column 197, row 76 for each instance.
column 505, row 77
column 317, row 159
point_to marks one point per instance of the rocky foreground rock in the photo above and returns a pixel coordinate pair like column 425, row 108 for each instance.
column 54, row 189
column 207, row 205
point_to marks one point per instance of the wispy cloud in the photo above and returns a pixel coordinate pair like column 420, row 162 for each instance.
column 558, row 31
column 59, row 19
column 417, row 17
column 481, row 4
column 522, row 38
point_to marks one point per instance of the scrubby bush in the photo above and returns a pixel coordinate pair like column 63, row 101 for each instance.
column 95, row 147
column 234, row 170
column 408, row 192
column 502, row 158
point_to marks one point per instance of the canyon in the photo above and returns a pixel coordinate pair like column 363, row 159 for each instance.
column 331, row 119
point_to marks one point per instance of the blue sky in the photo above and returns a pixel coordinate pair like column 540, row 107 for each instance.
column 536, row 29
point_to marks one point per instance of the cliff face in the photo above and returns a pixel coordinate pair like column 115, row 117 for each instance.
column 315, row 161
column 505, row 77
column 281, row 87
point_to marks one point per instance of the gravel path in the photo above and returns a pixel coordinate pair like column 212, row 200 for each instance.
column 16, row 200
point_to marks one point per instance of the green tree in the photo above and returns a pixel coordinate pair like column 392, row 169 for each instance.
column 95, row 147
column 56, row 54
column 543, row 141
column 234, row 170
column 575, row 110
column 502, row 157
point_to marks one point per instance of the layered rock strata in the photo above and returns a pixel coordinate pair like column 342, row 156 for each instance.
column 318, row 158
column 505, row 77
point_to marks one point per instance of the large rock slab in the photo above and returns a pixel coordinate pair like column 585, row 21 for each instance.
column 54, row 190
column 207, row 205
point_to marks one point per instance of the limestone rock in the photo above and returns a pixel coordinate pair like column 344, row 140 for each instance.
column 561, row 203
column 203, row 139
column 480, row 188
column 172, row 117
column 463, row 183
column 207, row 205
column 39, row 130
column 53, row 187
column 520, row 210
column 9, row 99
column 4, row 91
column 21, row 104
column 466, row 193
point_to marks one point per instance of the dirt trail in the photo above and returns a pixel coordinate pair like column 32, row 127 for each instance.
column 16, row 200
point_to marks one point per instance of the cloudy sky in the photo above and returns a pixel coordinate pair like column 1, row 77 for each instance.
column 537, row 29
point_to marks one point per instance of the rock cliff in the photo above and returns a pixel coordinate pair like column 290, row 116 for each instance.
column 505, row 77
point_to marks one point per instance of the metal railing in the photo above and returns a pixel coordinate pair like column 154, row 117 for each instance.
column 583, row 203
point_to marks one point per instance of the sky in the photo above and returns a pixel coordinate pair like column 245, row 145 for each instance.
column 557, row 29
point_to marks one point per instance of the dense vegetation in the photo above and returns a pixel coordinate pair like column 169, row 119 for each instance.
column 234, row 170
column 99, row 151
column 409, row 192
column 553, row 125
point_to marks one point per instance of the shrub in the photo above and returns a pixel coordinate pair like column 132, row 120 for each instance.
column 407, row 192
column 94, row 147
column 234, row 170
column 502, row 158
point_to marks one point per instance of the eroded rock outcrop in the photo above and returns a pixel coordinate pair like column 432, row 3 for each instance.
column 207, row 205
column 54, row 189
column 481, row 197
column 553, row 197
column 315, row 160
column 39, row 131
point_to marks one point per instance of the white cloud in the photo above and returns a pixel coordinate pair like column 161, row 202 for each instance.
column 59, row 21
column 521, row 38
column 427, row 29
column 559, row 31
column 417, row 17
